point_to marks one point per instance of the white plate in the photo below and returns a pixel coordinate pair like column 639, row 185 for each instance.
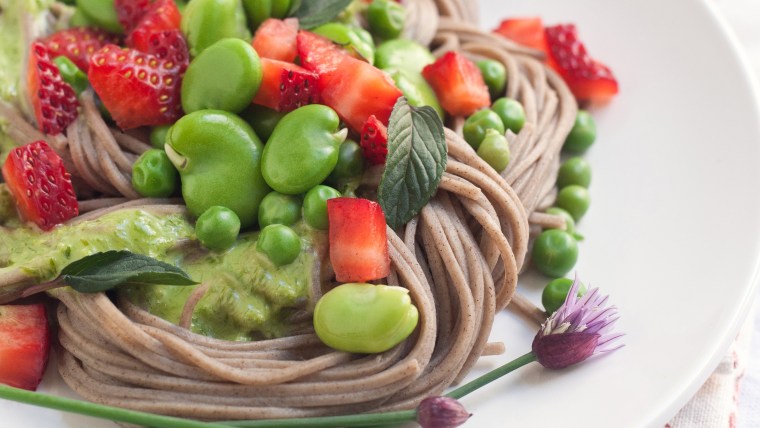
column 672, row 234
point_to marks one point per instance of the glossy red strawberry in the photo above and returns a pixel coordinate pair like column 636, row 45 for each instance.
column 130, row 12
column 136, row 88
column 588, row 79
column 285, row 86
column 55, row 102
column 317, row 53
column 78, row 44
column 40, row 185
column 276, row 39
column 458, row 84
column 374, row 141
column 525, row 31
column 162, row 15
column 358, row 240
column 169, row 45
column 24, row 345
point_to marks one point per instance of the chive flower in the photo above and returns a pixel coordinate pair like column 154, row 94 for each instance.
column 441, row 412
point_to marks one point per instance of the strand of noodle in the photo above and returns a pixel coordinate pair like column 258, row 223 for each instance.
column 103, row 133
column 129, row 142
column 547, row 221
column 81, row 166
column 17, row 128
column 526, row 308
column 186, row 317
column 89, row 205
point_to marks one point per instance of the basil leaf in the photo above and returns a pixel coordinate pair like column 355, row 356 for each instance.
column 415, row 163
column 104, row 271
column 313, row 13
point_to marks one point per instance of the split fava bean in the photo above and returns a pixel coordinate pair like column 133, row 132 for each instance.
column 204, row 22
column 365, row 318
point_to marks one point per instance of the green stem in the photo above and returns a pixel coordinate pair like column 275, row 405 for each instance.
column 492, row 375
column 360, row 420
column 100, row 411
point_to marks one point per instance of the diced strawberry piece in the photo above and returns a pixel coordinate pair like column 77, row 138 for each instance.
column 130, row 12
column 525, row 31
column 169, row 45
column 458, row 84
column 276, row 39
column 317, row 53
column 136, row 88
column 285, row 86
column 55, row 102
column 78, row 44
column 358, row 240
column 588, row 79
column 40, row 185
column 161, row 16
column 374, row 141
column 24, row 345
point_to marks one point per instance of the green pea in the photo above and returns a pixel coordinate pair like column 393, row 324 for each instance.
column 554, row 253
column 386, row 18
column 71, row 74
column 574, row 199
column 415, row 88
column 217, row 228
column 350, row 162
column 204, row 22
column 575, row 170
column 315, row 206
column 101, row 13
column 583, row 134
column 218, row 157
column 495, row 75
column 511, row 112
column 303, row 149
column 277, row 208
column 403, row 54
column 262, row 119
column 555, row 293
column 259, row 11
column 494, row 149
column 153, row 174
column 350, row 37
column 225, row 76
column 280, row 243
column 158, row 135
column 475, row 126
column 569, row 222
column 365, row 318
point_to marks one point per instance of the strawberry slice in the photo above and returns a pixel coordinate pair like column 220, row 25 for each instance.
column 526, row 31
column 161, row 16
column 78, row 44
column 55, row 102
column 285, row 86
column 130, row 12
column 136, row 88
column 458, row 84
column 358, row 240
column 317, row 53
column 588, row 79
column 40, row 185
column 276, row 39
column 374, row 141
column 170, row 45
column 24, row 345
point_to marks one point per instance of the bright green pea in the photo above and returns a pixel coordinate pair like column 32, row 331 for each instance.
column 555, row 293
column 101, row 13
column 569, row 222
column 303, row 149
column 217, row 228
column 511, row 112
column 280, row 243
column 575, row 170
column 494, row 149
column 262, row 119
column 583, row 134
column 315, row 206
column 225, row 76
column 350, row 37
column 475, row 126
column 158, row 135
column 71, row 74
column 153, row 174
column 403, row 54
column 350, row 162
column 277, row 208
column 204, row 22
column 495, row 75
column 415, row 88
column 386, row 18
column 218, row 157
column 365, row 318
column 554, row 252
column 574, row 199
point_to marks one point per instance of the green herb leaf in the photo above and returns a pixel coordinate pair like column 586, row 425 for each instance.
column 313, row 13
column 104, row 271
column 415, row 163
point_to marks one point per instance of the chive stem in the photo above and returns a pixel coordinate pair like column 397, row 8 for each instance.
column 492, row 375
column 359, row 420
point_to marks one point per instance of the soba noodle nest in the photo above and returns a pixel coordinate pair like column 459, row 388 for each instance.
column 459, row 258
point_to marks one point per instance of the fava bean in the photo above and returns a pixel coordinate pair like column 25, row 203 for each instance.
column 386, row 18
column 403, row 54
column 280, row 243
column 315, row 206
column 583, row 134
column 352, row 38
column 415, row 88
column 511, row 112
column 217, row 228
column 277, row 208
column 101, row 13
column 204, row 22
column 555, row 293
column 554, row 253
column 350, row 162
column 262, row 119
column 475, row 126
column 259, row 11
column 153, row 174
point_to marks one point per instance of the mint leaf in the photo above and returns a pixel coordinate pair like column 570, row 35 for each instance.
column 415, row 163
column 104, row 271
column 313, row 13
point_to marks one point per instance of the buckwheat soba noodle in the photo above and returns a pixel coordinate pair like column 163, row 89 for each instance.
column 460, row 259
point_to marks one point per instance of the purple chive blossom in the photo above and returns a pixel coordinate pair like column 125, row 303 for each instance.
column 441, row 412
column 580, row 328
